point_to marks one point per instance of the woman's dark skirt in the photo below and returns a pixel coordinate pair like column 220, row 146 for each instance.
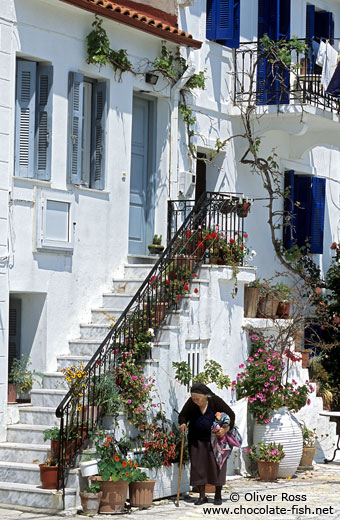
column 204, row 469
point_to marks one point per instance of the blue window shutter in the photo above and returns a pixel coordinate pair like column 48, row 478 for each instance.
column 283, row 10
column 303, row 207
column 224, row 19
column 75, row 105
column 263, row 27
column 310, row 21
column 211, row 20
column 43, row 122
column 98, row 136
column 288, row 228
column 262, row 18
column 324, row 25
column 318, row 214
column 25, row 118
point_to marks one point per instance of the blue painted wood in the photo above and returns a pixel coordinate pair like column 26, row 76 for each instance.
column 75, row 103
column 210, row 20
column 318, row 214
column 99, row 113
column 43, row 133
column 224, row 19
column 25, row 118
column 288, row 236
column 303, row 208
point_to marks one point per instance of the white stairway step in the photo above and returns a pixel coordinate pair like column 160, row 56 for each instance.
column 126, row 286
column 83, row 347
column 46, row 500
column 137, row 271
column 116, row 301
column 49, row 398
column 22, row 472
column 105, row 316
column 69, row 361
column 54, row 380
column 166, row 331
column 38, row 415
column 21, row 452
column 97, row 331
column 27, row 433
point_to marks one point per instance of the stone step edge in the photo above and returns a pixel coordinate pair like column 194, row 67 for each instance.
column 27, row 466
column 43, row 409
column 24, row 446
column 49, row 391
column 30, row 488
column 30, row 427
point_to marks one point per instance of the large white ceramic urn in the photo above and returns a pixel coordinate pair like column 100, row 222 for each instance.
column 283, row 429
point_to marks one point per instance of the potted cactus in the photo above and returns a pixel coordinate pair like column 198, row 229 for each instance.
column 156, row 247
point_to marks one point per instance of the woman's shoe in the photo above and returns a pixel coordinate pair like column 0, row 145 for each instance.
column 217, row 501
column 201, row 501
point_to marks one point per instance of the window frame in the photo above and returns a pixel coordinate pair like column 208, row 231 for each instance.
column 217, row 29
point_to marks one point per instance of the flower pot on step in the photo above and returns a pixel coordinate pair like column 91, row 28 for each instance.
column 267, row 307
column 114, row 495
column 141, row 493
column 11, row 393
column 306, row 461
column 89, row 468
column 251, row 299
column 305, row 358
column 48, row 476
column 268, row 471
column 283, row 310
column 90, row 502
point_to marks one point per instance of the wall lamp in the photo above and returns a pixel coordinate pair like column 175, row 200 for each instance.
column 151, row 78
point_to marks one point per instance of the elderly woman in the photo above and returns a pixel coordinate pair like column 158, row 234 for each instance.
column 199, row 413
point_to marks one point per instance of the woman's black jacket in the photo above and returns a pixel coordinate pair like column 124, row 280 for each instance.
column 190, row 411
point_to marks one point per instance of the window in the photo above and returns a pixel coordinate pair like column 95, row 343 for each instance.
column 86, row 139
column 319, row 24
column 196, row 356
column 306, row 208
column 223, row 22
column 33, row 123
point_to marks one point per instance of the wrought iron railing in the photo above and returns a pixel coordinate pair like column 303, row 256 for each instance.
column 148, row 308
column 258, row 81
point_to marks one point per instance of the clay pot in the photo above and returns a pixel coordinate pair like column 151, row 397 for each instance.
column 11, row 393
column 306, row 461
column 267, row 307
column 141, row 493
column 90, row 502
column 283, row 310
column 114, row 496
column 48, row 476
column 251, row 299
column 305, row 358
column 268, row 470
column 243, row 209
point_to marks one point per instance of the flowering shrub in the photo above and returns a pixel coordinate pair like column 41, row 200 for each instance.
column 75, row 378
column 261, row 382
column 111, row 465
column 227, row 251
column 20, row 376
column 265, row 452
column 160, row 447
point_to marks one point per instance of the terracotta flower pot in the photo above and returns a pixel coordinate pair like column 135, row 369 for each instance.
column 90, row 502
column 141, row 493
column 268, row 470
column 55, row 448
column 251, row 299
column 114, row 496
column 48, row 476
column 306, row 461
column 267, row 307
column 242, row 209
column 11, row 393
column 305, row 358
column 283, row 310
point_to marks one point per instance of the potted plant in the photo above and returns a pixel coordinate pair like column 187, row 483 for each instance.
column 251, row 297
column 140, row 488
column 49, row 473
column 106, row 395
column 21, row 378
column 309, row 438
column 90, row 498
column 89, row 465
column 268, row 458
column 283, row 291
column 268, row 302
column 156, row 247
column 71, row 438
column 243, row 208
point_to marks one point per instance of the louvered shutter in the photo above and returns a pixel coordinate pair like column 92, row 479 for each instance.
column 211, row 20
column 75, row 103
column 224, row 19
column 263, row 23
column 98, row 136
column 289, row 224
column 318, row 215
column 303, row 196
column 25, row 118
column 43, row 122
column 14, row 334
column 310, row 21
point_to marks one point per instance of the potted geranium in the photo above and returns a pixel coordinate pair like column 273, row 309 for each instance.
column 140, row 487
column 268, row 458
column 49, row 473
column 21, row 378
column 90, row 498
column 283, row 291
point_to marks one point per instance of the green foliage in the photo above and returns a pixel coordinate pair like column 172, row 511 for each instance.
column 20, row 376
column 309, row 437
column 280, row 52
column 106, row 394
column 171, row 65
column 212, row 373
column 266, row 452
column 196, row 81
column 283, row 290
column 157, row 240
column 94, row 488
column 111, row 465
column 182, row 372
column 51, row 434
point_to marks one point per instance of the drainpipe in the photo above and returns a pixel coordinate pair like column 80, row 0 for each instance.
column 174, row 102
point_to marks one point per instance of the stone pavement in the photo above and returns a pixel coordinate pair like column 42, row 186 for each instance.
column 311, row 495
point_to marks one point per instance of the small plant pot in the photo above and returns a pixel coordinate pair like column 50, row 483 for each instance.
column 48, row 476
column 243, row 209
column 226, row 207
column 305, row 358
column 267, row 307
column 11, row 393
column 251, row 299
column 155, row 249
column 268, row 471
column 90, row 502
column 283, row 310
column 114, row 496
column 89, row 468
column 306, row 461
column 24, row 397
column 141, row 493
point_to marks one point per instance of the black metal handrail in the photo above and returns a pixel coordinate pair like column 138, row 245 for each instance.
column 257, row 81
column 147, row 309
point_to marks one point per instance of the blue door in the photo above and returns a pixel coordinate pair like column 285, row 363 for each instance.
column 141, row 179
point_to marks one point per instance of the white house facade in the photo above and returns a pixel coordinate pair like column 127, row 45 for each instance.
column 89, row 159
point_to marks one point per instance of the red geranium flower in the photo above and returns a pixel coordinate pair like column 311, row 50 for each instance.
column 231, row 240
column 334, row 245
column 196, row 290
column 124, row 463
column 245, row 235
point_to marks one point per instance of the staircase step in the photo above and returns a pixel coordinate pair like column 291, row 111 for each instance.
column 38, row 415
column 96, row 331
column 149, row 260
column 139, row 271
column 21, row 452
column 116, row 301
column 69, row 361
column 105, row 316
column 26, row 433
column 126, row 285
column 22, row 472
column 49, row 398
column 54, row 380
column 83, row 347
column 28, row 495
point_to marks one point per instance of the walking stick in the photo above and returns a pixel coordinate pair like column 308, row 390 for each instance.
column 180, row 470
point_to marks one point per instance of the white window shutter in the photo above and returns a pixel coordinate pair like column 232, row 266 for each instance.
column 98, row 136
column 75, row 104
column 25, row 118
column 43, row 122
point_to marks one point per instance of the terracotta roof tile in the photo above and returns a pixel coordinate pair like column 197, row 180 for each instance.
column 137, row 19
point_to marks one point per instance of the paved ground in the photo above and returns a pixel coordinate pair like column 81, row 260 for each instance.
column 311, row 495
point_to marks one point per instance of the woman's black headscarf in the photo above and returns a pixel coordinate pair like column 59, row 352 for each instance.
column 200, row 388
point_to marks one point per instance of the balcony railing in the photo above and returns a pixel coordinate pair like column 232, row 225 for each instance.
column 259, row 82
